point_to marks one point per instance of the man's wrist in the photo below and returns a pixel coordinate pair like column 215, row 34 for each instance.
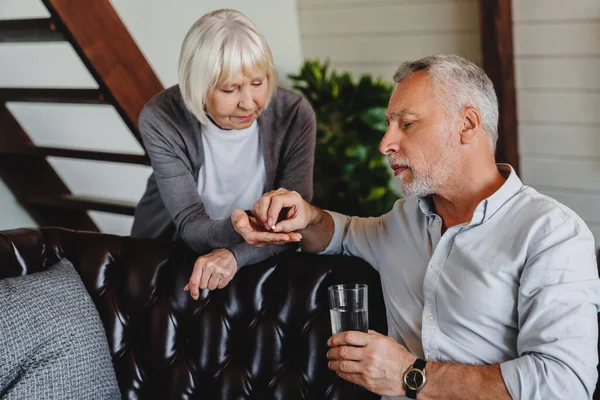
column 316, row 215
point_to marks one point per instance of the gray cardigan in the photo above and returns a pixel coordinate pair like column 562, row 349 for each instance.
column 171, row 207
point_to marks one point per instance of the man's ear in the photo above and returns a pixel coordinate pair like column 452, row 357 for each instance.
column 471, row 125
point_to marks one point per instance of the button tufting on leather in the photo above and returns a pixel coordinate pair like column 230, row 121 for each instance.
column 263, row 336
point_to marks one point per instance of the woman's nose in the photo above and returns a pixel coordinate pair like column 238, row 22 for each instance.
column 246, row 100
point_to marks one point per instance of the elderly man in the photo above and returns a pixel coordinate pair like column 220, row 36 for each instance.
column 491, row 288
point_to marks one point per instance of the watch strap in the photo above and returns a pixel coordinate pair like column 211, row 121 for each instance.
column 420, row 365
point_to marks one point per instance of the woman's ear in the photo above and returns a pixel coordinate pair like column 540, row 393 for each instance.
column 471, row 125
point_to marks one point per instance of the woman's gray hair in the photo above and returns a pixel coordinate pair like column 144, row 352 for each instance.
column 218, row 47
column 459, row 83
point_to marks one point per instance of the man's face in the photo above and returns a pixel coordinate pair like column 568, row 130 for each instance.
column 421, row 142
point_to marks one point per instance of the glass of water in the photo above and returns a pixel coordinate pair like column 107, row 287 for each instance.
column 348, row 308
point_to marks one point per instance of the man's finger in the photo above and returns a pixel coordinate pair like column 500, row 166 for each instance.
column 349, row 338
column 261, row 208
column 287, row 226
column 347, row 366
column 346, row 353
column 279, row 202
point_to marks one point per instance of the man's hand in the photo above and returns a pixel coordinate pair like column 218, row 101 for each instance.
column 211, row 271
column 268, row 208
column 372, row 360
column 256, row 234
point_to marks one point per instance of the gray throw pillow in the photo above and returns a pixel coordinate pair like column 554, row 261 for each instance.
column 52, row 342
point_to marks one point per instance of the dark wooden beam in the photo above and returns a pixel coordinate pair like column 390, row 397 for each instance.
column 51, row 95
column 29, row 30
column 36, row 151
column 498, row 63
column 83, row 203
column 35, row 178
column 103, row 43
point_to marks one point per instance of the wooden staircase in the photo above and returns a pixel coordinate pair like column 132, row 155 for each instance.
column 125, row 80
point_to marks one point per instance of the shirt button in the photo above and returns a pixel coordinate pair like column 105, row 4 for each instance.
column 429, row 316
column 435, row 267
column 430, row 358
column 437, row 223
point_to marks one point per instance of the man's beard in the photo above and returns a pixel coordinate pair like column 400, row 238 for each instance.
column 426, row 178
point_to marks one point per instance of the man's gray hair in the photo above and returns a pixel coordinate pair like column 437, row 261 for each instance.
column 459, row 83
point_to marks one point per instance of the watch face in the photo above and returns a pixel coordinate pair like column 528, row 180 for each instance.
column 414, row 379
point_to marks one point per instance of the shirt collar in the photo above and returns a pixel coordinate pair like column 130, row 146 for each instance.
column 487, row 207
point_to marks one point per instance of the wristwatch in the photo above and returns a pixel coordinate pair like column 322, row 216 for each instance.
column 415, row 378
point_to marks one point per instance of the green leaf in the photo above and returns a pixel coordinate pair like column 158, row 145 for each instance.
column 374, row 117
column 377, row 193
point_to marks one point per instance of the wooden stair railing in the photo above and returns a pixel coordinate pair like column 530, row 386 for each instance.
column 125, row 80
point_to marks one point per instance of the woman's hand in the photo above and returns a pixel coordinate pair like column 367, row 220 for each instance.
column 211, row 271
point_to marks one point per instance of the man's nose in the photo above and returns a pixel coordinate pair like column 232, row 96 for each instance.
column 390, row 142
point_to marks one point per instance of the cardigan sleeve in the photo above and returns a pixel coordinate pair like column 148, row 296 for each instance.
column 177, row 187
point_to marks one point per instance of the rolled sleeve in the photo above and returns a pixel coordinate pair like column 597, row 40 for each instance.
column 356, row 236
column 558, row 302
column 340, row 223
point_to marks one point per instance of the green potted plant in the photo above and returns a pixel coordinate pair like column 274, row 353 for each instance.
column 351, row 176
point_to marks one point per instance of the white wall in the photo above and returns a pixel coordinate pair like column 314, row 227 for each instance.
column 159, row 28
column 557, row 60
column 375, row 36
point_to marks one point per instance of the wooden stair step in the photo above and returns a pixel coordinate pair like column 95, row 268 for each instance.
column 29, row 30
column 52, row 95
column 72, row 202
column 40, row 151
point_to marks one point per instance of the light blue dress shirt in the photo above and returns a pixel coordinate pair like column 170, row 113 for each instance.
column 516, row 286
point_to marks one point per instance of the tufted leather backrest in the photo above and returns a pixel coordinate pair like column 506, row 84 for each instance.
column 262, row 337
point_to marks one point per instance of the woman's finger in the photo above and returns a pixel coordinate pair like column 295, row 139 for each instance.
column 265, row 238
column 207, row 272
column 195, row 280
column 223, row 282
column 213, row 282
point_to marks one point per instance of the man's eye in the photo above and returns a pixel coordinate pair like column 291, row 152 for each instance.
column 407, row 125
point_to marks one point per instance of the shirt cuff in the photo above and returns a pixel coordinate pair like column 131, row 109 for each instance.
column 514, row 374
column 340, row 222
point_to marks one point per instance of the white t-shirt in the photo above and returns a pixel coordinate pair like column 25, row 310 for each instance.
column 233, row 174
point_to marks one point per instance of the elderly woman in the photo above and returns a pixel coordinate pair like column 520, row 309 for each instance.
column 218, row 141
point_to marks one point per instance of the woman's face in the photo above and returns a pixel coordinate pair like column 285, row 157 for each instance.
column 238, row 104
